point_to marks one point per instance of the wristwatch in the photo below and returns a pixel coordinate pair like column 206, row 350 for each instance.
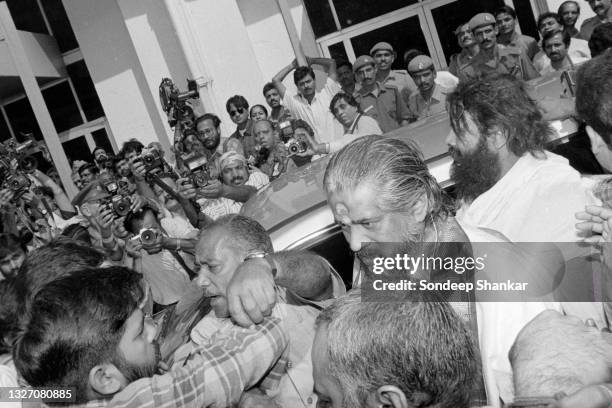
column 263, row 255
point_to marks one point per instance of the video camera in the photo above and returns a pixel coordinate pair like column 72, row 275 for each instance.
column 173, row 100
column 198, row 170
column 294, row 143
column 119, row 203
column 23, row 152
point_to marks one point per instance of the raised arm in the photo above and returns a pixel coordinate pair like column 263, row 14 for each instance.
column 251, row 294
column 280, row 76
column 328, row 64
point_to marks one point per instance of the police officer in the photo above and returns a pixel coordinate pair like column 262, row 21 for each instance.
column 494, row 57
column 384, row 55
column 383, row 102
column 469, row 49
column 431, row 97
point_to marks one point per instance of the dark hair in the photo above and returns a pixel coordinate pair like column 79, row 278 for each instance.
column 9, row 307
column 548, row 14
column 268, row 87
column 244, row 231
column 255, row 106
column 130, row 146
column 98, row 148
column 301, row 72
column 301, row 124
column 347, row 98
column 77, row 322
column 593, row 98
column 9, row 243
column 90, row 167
column 499, row 101
column 601, row 39
column 565, row 36
column 344, row 63
column 560, row 9
column 506, row 10
column 133, row 217
column 208, row 116
column 52, row 261
column 238, row 101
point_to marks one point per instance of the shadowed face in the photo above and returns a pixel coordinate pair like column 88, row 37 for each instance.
column 569, row 14
column 505, row 23
column 486, row 36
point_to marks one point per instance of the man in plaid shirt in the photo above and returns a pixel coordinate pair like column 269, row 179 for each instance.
column 88, row 332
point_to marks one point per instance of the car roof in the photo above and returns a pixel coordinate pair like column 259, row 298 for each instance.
column 299, row 193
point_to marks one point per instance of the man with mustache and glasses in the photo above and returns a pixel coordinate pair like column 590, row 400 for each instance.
column 603, row 11
column 493, row 57
column 89, row 333
column 469, row 49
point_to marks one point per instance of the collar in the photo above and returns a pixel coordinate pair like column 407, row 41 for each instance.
column 378, row 89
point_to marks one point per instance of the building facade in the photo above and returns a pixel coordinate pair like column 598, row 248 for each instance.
column 82, row 73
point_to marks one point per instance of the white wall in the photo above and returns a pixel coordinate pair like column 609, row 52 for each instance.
column 116, row 70
column 585, row 9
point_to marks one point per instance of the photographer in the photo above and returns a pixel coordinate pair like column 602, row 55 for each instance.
column 94, row 203
column 273, row 156
column 161, row 247
column 88, row 173
column 221, row 198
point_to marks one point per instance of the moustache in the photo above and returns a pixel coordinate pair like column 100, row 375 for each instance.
column 237, row 179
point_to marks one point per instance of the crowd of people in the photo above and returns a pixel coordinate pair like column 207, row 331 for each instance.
column 149, row 229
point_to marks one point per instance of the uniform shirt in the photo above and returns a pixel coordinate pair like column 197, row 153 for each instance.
column 526, row 43
column 588, row 25
column 421, row 108
column 458, row 61
column 506, row 60
column 316, row 113
column 243, row 143
column 214, row 374
column 385, row 104
column 578, row 50
column 400, row 79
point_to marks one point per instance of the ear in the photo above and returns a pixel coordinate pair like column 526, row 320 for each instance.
column 85, row 210
column 388, row 396
column 496, row 30
column 597, row 143
column 106, row 379
column 420, row 208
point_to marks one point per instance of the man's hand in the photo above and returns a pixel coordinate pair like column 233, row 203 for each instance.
column 186, row 189
column 133, row 247
column 31, row 198
column 138, row 168
column 596, row 220
column 250, row 293
column 119, row 230
column 138, row 202
column 105, row 219
column 214, row 189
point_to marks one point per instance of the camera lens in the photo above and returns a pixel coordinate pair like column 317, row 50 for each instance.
column 294, row 148
column 148, row 237
column 28, row 164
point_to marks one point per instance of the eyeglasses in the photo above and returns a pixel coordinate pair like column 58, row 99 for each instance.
column 239, row 111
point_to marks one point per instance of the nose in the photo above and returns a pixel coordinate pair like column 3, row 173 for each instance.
column 451, row 139
column 354, row 238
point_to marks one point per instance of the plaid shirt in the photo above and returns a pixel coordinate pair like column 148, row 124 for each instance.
column 214, row 375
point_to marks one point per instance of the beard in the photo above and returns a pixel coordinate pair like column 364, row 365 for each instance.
column 474, row 173
column 133, row 372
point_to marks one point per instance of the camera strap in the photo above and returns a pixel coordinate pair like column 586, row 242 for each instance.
column 181, row 261
column 354, row 125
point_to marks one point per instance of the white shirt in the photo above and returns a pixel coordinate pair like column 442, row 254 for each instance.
column 317, row 113
column 366, row 125
column 578, row 49
column 548, row 69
